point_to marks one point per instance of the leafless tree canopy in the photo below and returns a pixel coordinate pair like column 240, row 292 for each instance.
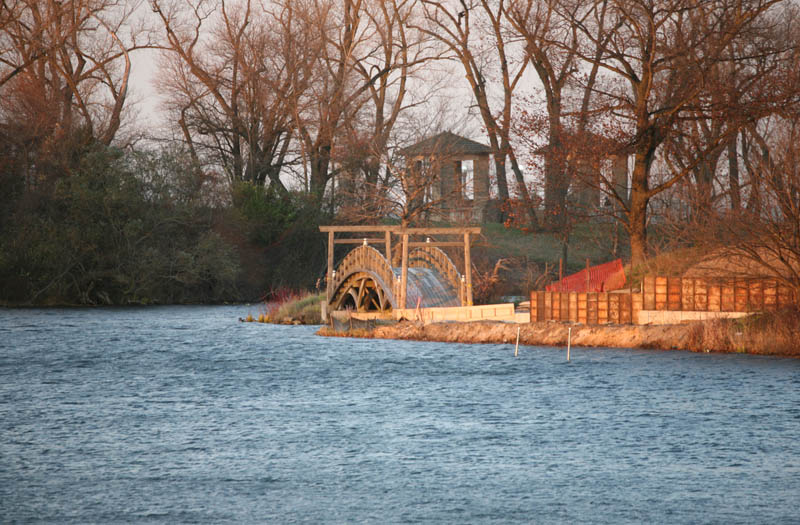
column 670, row 111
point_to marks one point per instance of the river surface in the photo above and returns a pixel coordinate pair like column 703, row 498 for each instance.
column 185, row 415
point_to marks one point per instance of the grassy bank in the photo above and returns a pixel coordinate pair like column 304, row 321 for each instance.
column 294, row 308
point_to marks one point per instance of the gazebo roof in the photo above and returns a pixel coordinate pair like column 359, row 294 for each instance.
column 446, row 143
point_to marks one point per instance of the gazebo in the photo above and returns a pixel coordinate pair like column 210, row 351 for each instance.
column 438, row 161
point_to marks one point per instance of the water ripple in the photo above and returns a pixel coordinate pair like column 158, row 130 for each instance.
column 182, row 414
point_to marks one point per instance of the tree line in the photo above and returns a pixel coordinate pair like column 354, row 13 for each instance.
column 279, row 115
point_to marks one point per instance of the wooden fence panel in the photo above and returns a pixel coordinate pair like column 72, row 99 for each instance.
column 727, row 303
column 625, row 314
column 661, row 293
column 582, row 308
column 756, row 300
column 649, row 293
column 687, row 294
column 548, row 306
column 573, row 307
column 770, row 292
column 784, row 296
column 741, row 291
column 591, row 308
column 637, row 301
column 714, row 298
column 674, row 293
column 602, row 308
column 564, row 306
column 700, row 295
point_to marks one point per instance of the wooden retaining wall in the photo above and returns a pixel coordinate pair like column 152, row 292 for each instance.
column 674, row 294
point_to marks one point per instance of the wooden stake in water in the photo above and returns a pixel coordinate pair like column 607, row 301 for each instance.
column 516, row 348
column 569, row 340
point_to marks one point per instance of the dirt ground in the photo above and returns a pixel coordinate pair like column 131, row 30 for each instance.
column 665, row 337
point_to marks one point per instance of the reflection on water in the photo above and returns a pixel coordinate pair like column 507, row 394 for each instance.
column 182, row 414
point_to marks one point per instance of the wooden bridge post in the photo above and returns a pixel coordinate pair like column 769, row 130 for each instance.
column 389, row 247
column 329, row 279
column 404, row 272
column 468, row 268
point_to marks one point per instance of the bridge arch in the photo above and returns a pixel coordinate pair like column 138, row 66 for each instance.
column 364, row 281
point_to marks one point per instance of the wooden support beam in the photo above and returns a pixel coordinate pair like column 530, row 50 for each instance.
column 329, row 284
column 388, row 241
column 358, row 241
column 404, row 272
column 435, row 244
column 468, row 268
column 399, row 230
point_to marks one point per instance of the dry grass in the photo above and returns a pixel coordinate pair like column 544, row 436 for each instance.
column 774, row 333
column 304, row 308
column 294, row 308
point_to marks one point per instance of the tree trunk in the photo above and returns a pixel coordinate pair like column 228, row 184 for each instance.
column 733, row 176
column 637, row 215
column 556, row 184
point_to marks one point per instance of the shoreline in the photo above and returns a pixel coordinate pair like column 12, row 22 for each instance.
column 700, row 336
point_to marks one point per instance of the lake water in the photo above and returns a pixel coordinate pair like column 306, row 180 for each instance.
column 183, row 414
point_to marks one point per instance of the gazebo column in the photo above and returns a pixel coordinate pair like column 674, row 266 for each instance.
column 480, row 187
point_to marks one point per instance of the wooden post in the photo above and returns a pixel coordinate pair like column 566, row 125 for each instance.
column 389, row 247
column 516, row 348
column 468, row 269
column 569, row 340
column 404, row 273
column 587, row 275
column 329, row 284
column 560, row 272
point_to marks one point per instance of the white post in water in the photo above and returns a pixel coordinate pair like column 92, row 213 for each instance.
column 569, row 341
column 516, row 348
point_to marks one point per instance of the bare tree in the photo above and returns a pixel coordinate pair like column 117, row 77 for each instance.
column 459, row 28
column 232, row 86
column 363, row 154
column 64, row 74
column 660, row 59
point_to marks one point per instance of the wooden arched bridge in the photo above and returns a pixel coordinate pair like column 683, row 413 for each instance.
column 406, row 274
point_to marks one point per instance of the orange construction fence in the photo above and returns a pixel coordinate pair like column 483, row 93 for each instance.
column 604, row 277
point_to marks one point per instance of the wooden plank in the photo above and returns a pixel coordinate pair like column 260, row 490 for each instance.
column 674, row 294
column 573, row 307
column 770, row 292
column 548, row 306
column 741, row 290
column 591, row 308
column 756, row 296
column 556, row 313
column 468, row 268
column 329, row 287
column 687, row 294
column 661, row 293
column 361, row 241
column 624, row 308
column 727, row 303
column 700, row 295
column 602, row 308
column 714, row 298
column 582, row 307
column 540, row 306
column 436, row 244
column 404, row 273
column 649, row 293
column 785, row 296
column 564, row 316
column 637, row 301
column 474, row 230
column 614, row 308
